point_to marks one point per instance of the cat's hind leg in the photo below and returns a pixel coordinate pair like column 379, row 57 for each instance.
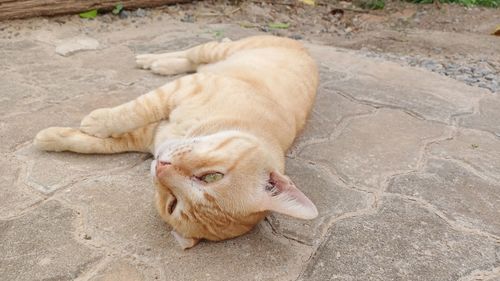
column 167, row 63
column 174, row 62
column 211, row 52
column 70, row 139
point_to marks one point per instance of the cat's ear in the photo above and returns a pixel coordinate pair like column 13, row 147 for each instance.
column 282, row 196
column 185, row 243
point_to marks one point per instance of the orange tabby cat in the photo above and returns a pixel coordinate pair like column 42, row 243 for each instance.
column 218, row 136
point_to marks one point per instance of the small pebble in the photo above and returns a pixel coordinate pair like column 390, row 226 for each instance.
column 188, row 18
column 297, row 36
column 490, row 77
column 140, row 13
column 124, row 14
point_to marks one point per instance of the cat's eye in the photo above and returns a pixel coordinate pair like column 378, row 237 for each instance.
column 171, row 205
column 211, row 177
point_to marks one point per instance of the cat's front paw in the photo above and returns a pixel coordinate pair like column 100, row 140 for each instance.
column 54, row 138
column 146, row 61
column 97, row 123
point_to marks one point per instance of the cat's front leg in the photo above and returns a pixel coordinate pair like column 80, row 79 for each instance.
column 146, row 109
column 99, row 123
column 167, row 63
column 114, row 121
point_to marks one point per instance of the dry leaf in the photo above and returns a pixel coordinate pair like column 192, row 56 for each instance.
column 308, row 2
column 496, row 31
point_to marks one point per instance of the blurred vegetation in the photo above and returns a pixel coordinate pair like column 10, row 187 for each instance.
column 380, row 4
column 372, row 4
column 468, row 3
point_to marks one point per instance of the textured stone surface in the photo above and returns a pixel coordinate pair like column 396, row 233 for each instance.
column 488, row 117
column 76, row 44
column 462, row 196
column 477, row 149
column 61, row 175
column 329, row 110
column 88, row 217
column 42, row 245
column 123, row 270
column 14, row 195
column 438, row 99
column 331, row 196
column 371, row 146
column 107, row 201
column 403, row 241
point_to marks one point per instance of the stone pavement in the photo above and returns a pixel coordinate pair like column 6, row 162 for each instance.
column 403, row 164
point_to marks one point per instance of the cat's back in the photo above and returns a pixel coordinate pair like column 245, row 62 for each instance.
column 285, row 73
column 270, row 88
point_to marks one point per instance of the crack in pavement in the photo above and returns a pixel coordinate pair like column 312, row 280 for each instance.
column 453, row 224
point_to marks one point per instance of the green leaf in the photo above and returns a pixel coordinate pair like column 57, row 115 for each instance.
column 218, row 33
column 89, row 14
column 118, row 8
column 247, row 25
column 278, row 25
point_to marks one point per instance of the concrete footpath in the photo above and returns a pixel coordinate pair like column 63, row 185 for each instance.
column 403, row 164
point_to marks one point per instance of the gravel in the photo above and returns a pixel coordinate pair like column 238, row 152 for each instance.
column 473, row 72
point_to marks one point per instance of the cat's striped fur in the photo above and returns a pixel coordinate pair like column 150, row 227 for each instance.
column 219, row 135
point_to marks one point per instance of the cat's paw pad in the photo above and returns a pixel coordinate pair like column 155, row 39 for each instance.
column 145, row 61
column 53, row 138
column 97, row 123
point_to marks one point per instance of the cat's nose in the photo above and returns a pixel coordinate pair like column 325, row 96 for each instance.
column 161, row 166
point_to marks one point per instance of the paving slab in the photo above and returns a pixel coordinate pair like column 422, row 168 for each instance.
column 15, row 196
column 438, row 99
column 60, row 175
column 403, row 165
column 403, row 241
column 357, row 151
column 464, row 197
column 488, row 116
column 41, row 245
column 329, row 110
column 331, row 196
column 125, row 270
column 476, row 149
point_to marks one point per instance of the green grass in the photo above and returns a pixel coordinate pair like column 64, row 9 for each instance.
column 373, row 4
column 468, row 3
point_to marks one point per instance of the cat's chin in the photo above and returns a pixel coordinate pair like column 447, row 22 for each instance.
column 185, row 243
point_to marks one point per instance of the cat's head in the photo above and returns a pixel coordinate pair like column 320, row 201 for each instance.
column 220, row 186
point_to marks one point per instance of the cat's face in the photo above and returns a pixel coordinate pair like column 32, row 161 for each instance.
column 219, row 186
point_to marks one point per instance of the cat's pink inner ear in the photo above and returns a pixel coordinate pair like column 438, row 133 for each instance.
column 185, row 243
column 282, row 196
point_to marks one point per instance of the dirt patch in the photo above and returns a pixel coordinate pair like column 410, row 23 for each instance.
column 452, row 40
